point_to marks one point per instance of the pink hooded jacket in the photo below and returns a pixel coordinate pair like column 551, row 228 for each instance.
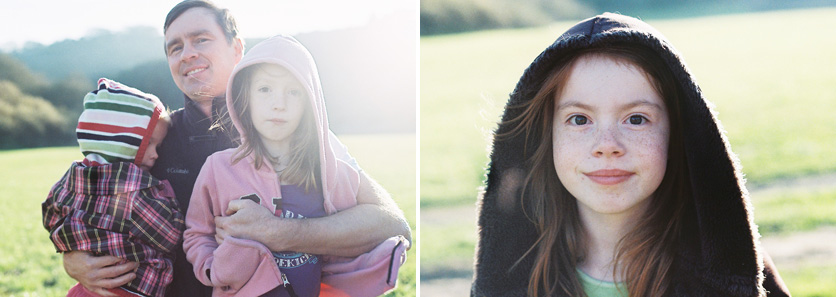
column 241, row 267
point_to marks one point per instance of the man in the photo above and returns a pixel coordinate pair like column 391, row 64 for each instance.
column 203, row 46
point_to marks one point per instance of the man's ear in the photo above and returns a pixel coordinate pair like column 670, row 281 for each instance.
column 238, row 44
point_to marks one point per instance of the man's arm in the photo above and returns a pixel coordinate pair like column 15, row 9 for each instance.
column 98, row 274
column 347, row 233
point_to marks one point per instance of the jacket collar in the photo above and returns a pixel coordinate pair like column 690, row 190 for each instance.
column 109, row 179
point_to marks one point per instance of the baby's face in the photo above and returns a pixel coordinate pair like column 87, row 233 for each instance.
column 611, row 133
column 157, row 137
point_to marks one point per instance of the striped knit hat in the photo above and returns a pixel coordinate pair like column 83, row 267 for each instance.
column 116, row 124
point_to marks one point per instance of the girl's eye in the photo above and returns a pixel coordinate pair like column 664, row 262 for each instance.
column 295, row 92
column 637, row 120
column 578, row 120
column 264, row 89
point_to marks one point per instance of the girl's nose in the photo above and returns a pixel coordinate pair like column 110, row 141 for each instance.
column 279, row 102
column 608, row 142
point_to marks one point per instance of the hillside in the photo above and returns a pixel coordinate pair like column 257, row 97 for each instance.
column 368, row 73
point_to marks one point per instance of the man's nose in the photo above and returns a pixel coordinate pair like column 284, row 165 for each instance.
column 189, row 52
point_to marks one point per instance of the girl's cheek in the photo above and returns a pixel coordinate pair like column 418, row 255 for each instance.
column 569, row 145
column 653, row 144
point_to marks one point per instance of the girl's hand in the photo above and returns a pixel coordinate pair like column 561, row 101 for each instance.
column 98, row 274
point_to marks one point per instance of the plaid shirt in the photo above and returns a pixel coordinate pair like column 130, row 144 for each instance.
column 120, row 210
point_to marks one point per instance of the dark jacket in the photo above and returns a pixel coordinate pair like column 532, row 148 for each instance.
column 723, row 256
column 181, row 155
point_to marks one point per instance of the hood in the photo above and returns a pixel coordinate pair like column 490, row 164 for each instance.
column 722, row 255
column 117, row 123
column 287, row 52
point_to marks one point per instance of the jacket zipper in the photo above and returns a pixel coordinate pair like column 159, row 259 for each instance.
column 392, row 258
column 280, row 208
column 287, row 286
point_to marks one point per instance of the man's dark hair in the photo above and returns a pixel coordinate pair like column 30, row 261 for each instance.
column 222, row 16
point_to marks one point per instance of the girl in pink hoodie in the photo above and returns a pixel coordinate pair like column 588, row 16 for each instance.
column 286, row 164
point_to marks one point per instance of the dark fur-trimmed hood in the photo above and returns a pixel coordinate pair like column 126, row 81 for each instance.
column 725, row 257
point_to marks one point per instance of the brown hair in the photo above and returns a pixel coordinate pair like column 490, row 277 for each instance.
column 645, row 253
column 303, row 166
column 222, row 16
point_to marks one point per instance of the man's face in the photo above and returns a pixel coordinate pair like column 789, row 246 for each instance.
column 199, row 56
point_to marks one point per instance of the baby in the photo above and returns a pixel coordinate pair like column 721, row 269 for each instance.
column 109, row 203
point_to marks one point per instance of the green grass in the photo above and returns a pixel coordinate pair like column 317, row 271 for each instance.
column 450, row 239
column 391, row 159
column 769, row 75
column 29, row 265
column 792, row 211
column 28, row 262
column 810, row 280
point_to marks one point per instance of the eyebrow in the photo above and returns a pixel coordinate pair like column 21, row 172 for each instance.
column 633, row 104
column 189, row 35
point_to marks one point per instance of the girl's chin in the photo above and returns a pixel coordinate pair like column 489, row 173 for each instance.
column 613, row 205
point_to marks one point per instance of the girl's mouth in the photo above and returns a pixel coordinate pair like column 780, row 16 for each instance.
column 609, row 177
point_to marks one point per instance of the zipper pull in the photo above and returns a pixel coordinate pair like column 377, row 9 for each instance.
column 285, row 283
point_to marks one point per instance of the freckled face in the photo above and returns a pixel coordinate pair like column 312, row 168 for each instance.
column 277, row 104
column 611, row 133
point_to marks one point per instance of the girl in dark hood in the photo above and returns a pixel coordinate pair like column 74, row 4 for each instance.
column 610, row 176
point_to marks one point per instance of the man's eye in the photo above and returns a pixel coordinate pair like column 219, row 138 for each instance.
column 578, row 120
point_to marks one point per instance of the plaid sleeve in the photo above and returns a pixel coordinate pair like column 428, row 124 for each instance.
column 142, row 226
column 51, row 209
column 156, row 221
column 156, row 226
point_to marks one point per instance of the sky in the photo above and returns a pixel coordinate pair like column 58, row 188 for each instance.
column 49, row 21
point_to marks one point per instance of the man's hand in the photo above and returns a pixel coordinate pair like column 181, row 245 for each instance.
column 347, row 233
column 98, row 274
column 245, row 219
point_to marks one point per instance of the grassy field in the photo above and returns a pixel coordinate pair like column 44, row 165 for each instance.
column 29, row 265
column 770, row 75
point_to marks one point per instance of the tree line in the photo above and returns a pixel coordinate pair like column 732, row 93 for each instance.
column 455, row 16
column 369, row 83
column 34, row 112
column 37, row 112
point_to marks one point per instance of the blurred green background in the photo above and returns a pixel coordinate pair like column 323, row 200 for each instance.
column 771, row 75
